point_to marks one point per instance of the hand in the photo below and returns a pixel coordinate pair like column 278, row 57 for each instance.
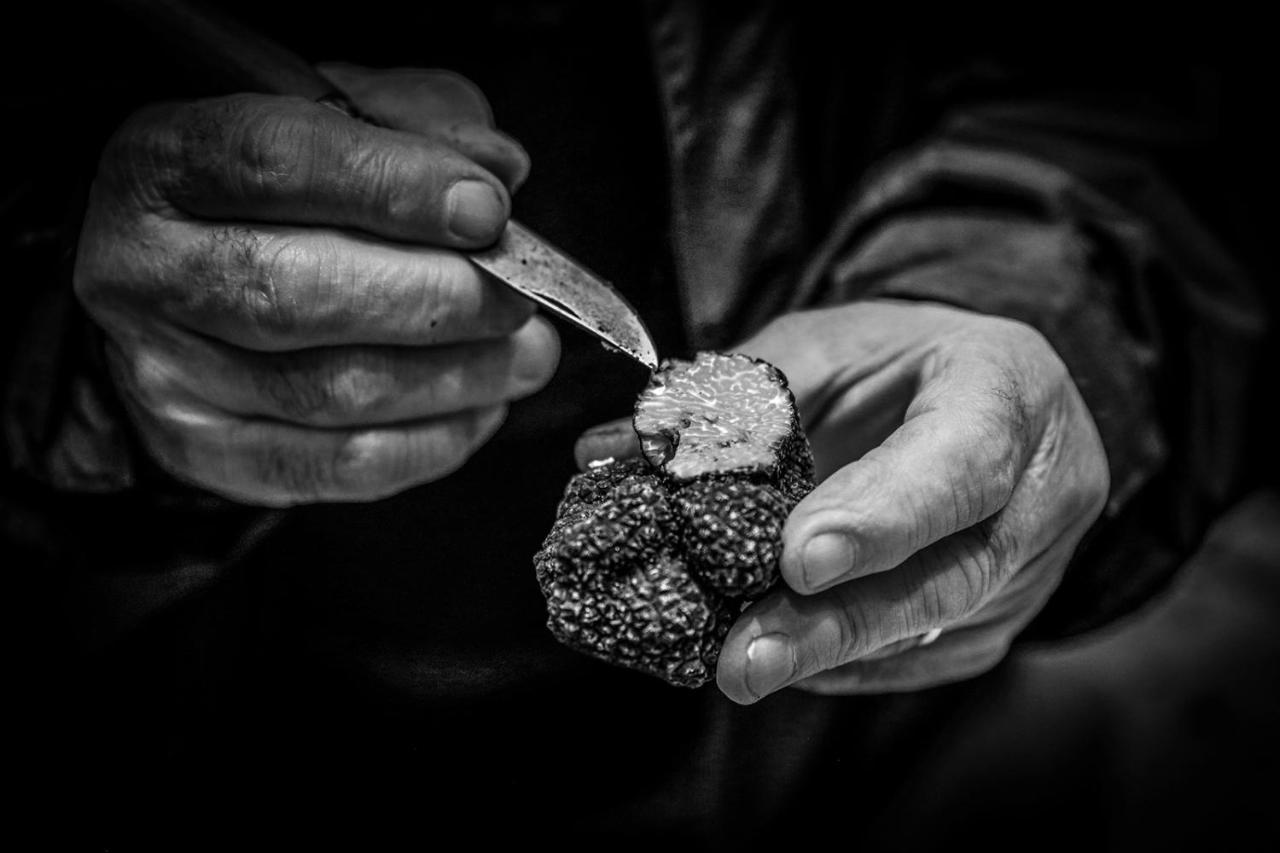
column 958, row 469
column 287, row 314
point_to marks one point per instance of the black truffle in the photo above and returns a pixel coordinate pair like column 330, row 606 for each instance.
column 650, row 560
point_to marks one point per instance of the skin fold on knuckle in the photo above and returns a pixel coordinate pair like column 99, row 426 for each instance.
column 264, row 147
column 322, row 387
column 219, row 145
column 235, row 277
column 142, row 159
column 402, row 184
column 368, row 464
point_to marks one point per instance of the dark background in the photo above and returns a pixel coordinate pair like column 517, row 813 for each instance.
column 1158, row 732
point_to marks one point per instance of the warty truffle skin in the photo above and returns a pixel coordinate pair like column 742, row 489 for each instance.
column 651, row 559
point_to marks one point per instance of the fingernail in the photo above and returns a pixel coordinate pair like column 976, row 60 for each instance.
column 475, row 211
column 826, row 557
column 771, row 662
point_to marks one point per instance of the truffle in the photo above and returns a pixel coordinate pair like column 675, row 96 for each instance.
column 651, row 559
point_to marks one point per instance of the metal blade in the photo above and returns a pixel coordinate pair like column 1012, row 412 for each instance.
column 551, row 278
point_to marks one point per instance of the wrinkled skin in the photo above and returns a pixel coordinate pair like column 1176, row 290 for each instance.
column 286, row 313
column 958, row 470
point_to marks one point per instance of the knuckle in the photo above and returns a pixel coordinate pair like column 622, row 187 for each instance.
column 374, row 463
column 262, row 147
column 276, row 271
column 404, row 185
column 364, row 462
column 142, row 151
column 333, row 386
column 352, row 390
column 236, row 268
column 284, row 467
column 391, row 180
column 151, row 379
column 292, row 390
column 245, row 146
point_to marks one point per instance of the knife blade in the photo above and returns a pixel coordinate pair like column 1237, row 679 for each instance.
column 535, row 268
column 520, row 259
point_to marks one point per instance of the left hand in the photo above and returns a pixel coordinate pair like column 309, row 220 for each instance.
column 958, row 469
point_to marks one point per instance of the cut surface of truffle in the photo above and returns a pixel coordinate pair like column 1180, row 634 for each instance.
column 651, row 559
column 715, row 414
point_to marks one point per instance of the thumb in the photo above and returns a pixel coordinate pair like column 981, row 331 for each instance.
column 441, row 105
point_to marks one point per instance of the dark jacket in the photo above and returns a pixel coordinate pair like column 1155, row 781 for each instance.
column 1100, row 201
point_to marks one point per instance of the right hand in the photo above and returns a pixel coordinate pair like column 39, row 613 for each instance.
column 287, row 315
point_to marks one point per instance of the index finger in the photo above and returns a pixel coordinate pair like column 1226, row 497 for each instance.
column 289, row 160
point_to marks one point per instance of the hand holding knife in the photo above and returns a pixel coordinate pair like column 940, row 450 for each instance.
column 520, row 259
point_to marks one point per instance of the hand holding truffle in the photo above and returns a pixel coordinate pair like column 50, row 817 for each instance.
column 958, row 468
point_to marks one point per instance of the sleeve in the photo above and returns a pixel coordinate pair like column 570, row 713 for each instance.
column 1064, row 204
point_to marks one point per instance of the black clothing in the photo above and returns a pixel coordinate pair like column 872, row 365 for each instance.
column 333, row 664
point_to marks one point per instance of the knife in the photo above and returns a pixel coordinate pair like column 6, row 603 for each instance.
column 520, row 259
column 548, row 276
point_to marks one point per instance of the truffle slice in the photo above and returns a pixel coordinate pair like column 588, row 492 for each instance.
column 650, row 560
column 724, row 414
